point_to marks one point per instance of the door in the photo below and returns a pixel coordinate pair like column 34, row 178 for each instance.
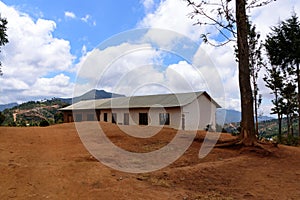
column 126, row 118
column 114, row 118
column 105, row 117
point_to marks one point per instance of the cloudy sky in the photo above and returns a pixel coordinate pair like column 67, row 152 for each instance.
column 61, row 47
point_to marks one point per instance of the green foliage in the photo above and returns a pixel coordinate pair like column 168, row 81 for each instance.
column 58, row 118
column 290, row 140
column 3, row 35
column 2, row 118
column 283, row 50
column 44, row 123
column 32, row 113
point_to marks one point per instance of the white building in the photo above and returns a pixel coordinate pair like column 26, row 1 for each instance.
column 187, row 111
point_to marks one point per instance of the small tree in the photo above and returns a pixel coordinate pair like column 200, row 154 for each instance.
column 288, row 93
column 3, row 35
column 274, row 81
column 255, row 64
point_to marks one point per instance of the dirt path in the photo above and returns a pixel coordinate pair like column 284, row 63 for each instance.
column 52, row 163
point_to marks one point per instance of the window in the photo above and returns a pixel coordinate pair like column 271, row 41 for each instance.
column 143, row 118
column 105, row 117
column 114, row 118
column 126, row 118
column 90, row 117
column 78, row 117
column 164, row 118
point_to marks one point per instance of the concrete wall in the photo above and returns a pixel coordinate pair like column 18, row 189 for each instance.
column 199, row 114
column 86, row 115
column 194, row 116
column 153, row 116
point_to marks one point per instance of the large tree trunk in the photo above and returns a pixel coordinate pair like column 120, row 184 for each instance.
column 247, row 132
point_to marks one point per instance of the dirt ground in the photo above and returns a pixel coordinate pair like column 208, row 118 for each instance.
column 52, row 163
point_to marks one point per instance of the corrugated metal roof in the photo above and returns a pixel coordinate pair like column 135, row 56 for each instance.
column 160, row 100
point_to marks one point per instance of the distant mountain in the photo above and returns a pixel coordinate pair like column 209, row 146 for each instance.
column 232, row 116
column 7, row 106
column 265, row 118
column 228, row 116
column 90, row 95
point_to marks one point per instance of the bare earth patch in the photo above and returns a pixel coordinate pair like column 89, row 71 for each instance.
column 52, row 163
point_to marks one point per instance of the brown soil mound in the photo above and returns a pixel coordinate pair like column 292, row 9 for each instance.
column 52, row 163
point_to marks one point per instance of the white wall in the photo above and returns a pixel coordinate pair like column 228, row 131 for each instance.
column 199, row 114
column 153, row 116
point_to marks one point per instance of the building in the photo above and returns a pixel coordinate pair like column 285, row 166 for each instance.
column 182, row 111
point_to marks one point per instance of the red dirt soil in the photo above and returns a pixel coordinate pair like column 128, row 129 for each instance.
column 52, row 163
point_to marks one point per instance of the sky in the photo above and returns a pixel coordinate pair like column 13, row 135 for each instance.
column 62, row 48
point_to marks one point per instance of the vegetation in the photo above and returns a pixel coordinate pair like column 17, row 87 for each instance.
column 35, row 113
column 283, row 78
column 3, row 35
column 256, row 63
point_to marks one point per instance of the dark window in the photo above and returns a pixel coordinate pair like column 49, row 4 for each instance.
column 126, row 118
column 90, row 117
column 143, row 118
column 164, row 118
column 114, row 118
column 78, row 117
column 105, row 117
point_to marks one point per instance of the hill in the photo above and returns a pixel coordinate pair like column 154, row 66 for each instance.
column 32, row 113
column 7, row 106
column 92, row 94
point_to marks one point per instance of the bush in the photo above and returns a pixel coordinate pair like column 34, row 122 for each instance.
column 2, row 118
column 290, row 140
column 44, row 123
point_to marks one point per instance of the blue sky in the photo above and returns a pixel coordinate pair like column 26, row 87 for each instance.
column 51, row 43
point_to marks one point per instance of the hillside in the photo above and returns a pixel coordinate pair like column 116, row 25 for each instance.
column 32, row 113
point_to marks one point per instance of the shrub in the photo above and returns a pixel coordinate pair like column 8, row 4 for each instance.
column 2, row 118
column 44, row 123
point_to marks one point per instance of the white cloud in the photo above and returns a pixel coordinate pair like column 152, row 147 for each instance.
column 57, row 86
column 148, row 4
column 32, row 53
column 88, row 20
column 108, row 66
column 85, row 18
column 173, row 15
column 69, row 14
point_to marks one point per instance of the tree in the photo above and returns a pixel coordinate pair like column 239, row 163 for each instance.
column 288, row 93
column 256, row 63
column 274, row 81
column 3, row 35
column 283, row 48
column 233, row 24
column 2, row 118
